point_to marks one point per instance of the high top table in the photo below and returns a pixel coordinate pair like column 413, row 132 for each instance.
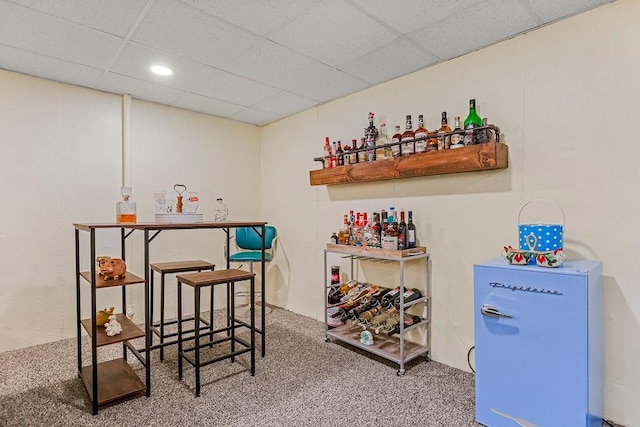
column 90, row 375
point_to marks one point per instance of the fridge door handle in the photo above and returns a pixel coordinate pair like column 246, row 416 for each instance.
column 491, row 311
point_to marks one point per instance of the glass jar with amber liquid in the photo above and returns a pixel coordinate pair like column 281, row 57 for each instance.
column 126, row 209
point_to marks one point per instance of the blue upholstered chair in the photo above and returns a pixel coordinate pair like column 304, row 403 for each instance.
column 248, row 243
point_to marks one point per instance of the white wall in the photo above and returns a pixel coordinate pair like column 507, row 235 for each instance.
column 61, row 163
column 564, row 97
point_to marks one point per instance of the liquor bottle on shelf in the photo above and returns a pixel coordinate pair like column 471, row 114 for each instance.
column 411, row 231
column 407, row 138
column 420, row 135
column 383, row 152
column 484, row 135
column 389, row 238
column 339, row 154
column 408, row 296
column 402, row 232
column 376, row 227
column 327, row 153
column 336, row 294
column 444, row 142
column 362, row 155
column 472, row 121
column 409, row 320
column 397, row 137
column 353, row 157
column 457, row 139
column 371, row 136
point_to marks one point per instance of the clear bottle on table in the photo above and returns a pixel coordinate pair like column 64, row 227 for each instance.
column 221, row 212
column 126, row 209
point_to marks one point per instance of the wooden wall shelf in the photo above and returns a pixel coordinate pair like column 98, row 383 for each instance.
column 489, row 156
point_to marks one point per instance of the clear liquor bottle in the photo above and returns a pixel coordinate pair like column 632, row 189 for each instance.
column 383, row 152
column 407, row 139
column 371, row 136
column 126, row 209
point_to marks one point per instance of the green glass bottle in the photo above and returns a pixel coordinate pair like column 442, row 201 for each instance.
column 472, row 121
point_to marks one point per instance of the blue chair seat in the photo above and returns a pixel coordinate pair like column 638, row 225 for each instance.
column 250, row 256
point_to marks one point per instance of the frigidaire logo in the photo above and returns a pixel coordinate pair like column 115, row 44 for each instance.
column 524, row 288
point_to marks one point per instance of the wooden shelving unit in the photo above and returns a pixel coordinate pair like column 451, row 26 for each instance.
column 114, row 379
column 473, row 158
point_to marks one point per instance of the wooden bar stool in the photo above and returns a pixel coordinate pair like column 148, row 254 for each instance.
column 165, row 268
column 212, row 278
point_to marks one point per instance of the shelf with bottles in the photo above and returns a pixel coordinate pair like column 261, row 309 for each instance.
column 353, row 308
column 486, row 156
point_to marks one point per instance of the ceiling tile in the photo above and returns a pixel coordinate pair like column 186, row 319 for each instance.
column 55, row 37
column 181, row 30
column 278, row 66
column 284, row 104
column 49, row 68
column 333, row 32
column 331, row 85
column 118, row 84
column 229, row 87
column 113, row 16
column 398, row 58
column 550, row 10
column 259, row 17
column 191, row 101
column 413, row 14
column 256, row 117
column 484, row 24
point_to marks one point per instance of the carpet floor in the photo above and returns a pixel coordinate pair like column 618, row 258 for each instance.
column 302, row 381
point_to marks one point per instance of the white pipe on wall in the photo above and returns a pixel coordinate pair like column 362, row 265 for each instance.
column 126, row 140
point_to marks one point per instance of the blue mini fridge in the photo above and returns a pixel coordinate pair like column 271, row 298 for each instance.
column 538, row 338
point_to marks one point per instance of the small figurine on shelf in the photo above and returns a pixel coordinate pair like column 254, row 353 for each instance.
column 113, row 327
column 111, row 268
column 102, row 316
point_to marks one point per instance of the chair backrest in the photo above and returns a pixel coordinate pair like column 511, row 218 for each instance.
column 248, row 238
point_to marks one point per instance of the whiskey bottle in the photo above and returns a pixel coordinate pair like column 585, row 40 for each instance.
column 411, row 231
column 407, row 138
column 376, row 227
column 389, row 238
column 484, row 135
column 397, row 137
column 472, row 121
column 339, row 154
column 362, row 155
column 353, row 157
column 457, row 137
column 420, row 136
column 444, row 142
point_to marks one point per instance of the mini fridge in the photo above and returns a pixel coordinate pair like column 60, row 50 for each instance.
column 538, row 344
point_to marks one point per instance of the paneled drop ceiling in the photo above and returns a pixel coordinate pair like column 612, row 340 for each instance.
column 254, row 61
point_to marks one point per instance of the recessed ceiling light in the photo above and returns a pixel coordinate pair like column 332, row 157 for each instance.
column 161, row 71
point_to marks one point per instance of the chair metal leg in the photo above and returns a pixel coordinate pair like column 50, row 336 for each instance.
column 253, row 327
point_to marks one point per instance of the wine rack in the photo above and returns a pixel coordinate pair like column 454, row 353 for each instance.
column 396, row 348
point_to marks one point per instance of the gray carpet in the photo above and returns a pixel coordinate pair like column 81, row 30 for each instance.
column 303, row 381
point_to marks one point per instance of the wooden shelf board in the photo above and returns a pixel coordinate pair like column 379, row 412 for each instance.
column 129, row 331
column 116, row 380
column 129, row 279
column 383, row 345
column 376, row 252
column 473, row 158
